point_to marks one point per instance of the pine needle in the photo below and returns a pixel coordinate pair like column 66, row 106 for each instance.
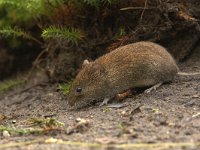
column 71, row 35
column 7, row 32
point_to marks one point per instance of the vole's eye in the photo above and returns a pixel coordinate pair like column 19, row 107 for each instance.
column 78, row 89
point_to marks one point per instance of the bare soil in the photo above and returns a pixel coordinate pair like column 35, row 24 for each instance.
column 170, row 114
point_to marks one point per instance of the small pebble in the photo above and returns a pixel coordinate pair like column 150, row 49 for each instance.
column 51, row 140
column 6, row 133
column 123, row 113
column 79, row 127
column 50, row 94
column 195, row 96
column 14, row 121
column 78, row 119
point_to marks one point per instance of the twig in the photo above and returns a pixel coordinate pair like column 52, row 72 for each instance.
column 36, row 40
column 136, row 8
column 35, row 63
column 27, row 88
column 145, row 6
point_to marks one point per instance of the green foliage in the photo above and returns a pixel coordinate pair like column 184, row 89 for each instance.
column 10, row 32
column 14, row 130
column 18, row 12
column 7, row 32
column 97, row 3
column 122, row 31
column 28, row 5
column 15, row 11
column 45, row 123
column 65, row 87
column 92, row 2
column 71, row 35
column 41, row 126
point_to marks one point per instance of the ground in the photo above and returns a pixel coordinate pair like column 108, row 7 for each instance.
column 167, row 118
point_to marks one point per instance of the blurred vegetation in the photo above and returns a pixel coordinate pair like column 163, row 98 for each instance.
column 9, row 84
column 18, row 15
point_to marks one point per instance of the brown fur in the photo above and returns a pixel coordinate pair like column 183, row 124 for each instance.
column 140, row 64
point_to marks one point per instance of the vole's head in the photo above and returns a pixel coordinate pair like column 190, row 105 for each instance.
column 87, row 87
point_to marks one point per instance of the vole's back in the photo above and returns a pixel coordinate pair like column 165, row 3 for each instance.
column 138, row 65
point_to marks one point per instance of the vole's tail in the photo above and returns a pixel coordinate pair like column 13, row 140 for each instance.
column 188, row 74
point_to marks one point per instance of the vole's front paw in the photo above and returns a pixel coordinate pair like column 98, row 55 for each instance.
column 105, row 102
column 153, row 88
column 148, row 90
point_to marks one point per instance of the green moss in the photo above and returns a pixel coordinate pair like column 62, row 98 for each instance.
column 9, row 84
column 120, row 125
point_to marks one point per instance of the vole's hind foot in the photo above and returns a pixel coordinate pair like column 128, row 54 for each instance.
column 105, row 102
column 119, row 97
column 126, row 94
column 153, row 87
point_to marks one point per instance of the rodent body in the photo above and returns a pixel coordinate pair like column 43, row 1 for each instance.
column 136, row 65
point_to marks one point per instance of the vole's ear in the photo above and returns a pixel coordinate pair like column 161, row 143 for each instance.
column 98, row 68
column 85, row 62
